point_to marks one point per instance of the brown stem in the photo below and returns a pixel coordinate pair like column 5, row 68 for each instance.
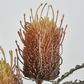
column 39, row 82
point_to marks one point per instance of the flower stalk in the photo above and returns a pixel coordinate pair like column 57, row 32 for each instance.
column 39, row 82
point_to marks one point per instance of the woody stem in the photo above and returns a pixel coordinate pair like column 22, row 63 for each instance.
column 39, row 82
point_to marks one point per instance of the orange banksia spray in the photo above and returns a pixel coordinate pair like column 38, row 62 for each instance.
column 42, row 39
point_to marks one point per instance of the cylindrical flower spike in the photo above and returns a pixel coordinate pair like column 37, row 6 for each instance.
column 42, row 39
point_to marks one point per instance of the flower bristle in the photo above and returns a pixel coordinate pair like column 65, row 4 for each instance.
column 7, row 71
column 42, row 39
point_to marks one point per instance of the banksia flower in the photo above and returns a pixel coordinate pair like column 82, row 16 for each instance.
column 7, row 71
column 42, row 39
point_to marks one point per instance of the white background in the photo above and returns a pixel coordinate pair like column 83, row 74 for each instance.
column 11, row 12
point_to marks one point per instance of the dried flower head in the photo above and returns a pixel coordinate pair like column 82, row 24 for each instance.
column 7, row 71
column 42, row 39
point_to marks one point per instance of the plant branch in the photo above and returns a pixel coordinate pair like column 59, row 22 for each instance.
column 68, row 73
